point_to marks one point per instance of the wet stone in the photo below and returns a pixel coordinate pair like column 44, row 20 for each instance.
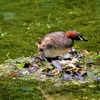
column 96, row 78
column 32, row 69
column 56, row 64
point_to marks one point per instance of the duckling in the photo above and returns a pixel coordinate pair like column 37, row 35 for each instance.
column 56, row 43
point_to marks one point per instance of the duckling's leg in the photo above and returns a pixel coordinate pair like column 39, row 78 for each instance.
column 44, row 58
column 49, row 59
column 54, row 62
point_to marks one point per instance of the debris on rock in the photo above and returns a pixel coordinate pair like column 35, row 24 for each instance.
column 67, row 67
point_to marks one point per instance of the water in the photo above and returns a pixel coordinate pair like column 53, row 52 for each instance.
column 84, row 91
column 11, row 89
column 23, row 22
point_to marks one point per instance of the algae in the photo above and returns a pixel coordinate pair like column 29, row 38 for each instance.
column 23, row 22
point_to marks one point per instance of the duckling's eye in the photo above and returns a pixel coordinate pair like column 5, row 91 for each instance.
column 41, row 50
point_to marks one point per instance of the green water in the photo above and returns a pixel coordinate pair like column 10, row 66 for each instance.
column 87, row 91
column 23, row 22
column 11, row 89
column 16, row 89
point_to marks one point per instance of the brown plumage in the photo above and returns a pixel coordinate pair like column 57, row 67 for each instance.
column 56, row 43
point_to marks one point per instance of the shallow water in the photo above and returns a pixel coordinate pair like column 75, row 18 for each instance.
column 23, row 22
column 21, row 89
column 13, row 89
column 86, row 91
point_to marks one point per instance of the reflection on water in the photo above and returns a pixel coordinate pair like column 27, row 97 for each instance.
column 9, row 15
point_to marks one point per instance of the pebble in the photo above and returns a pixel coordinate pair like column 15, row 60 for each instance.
column 32, row 69
column 58, row 84
column 65, row 57
column 42, row 78
column 25, row 73
column 57, row 65
column 96, row 78
column 71, row 65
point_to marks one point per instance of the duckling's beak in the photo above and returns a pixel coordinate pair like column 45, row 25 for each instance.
column 82, row 38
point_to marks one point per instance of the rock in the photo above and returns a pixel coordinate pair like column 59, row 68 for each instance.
column 56, row 64
column 25, row 73
column 32, row 69
column 67, row 77
column 42, row 78
column 55, row 72
column 65, row 57
column 96, row 78
column 58, row 84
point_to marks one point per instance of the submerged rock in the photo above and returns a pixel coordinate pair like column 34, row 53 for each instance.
column 58, row 84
